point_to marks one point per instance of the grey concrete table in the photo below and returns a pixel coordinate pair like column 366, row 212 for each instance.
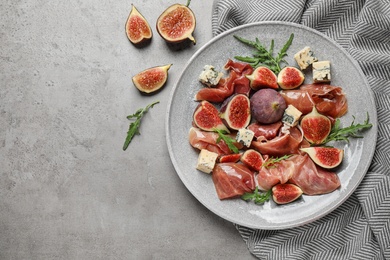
column 67, row 190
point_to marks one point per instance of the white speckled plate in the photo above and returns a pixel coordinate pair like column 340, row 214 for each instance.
column 345, row 73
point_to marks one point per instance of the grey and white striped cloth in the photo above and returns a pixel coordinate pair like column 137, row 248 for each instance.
column 360, row 228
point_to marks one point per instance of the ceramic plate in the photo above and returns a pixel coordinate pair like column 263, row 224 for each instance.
column 345, row 73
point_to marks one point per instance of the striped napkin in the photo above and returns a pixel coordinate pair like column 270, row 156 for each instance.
column 359, row 228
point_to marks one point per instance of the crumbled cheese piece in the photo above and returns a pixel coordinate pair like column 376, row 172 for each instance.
column 291, row 116
column 305, row 58
column 209, row 76
column 206, row 161
column 245, row 136
column 321, row 71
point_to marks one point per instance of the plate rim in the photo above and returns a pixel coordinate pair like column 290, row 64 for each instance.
column 373, row 121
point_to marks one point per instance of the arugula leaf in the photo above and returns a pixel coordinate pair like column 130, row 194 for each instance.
column 342, row 134
column 227, row 139
column 134, row 126
column 270, row 162
column 264, row 57
column 256, row 196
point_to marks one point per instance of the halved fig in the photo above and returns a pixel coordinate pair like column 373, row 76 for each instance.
column 290, row 78
column 285, row 193
column 252, row 159
column 206, row 117
column 315, row 127
column 152, row 79
column 326, row 157
column 236, row 112
column 263, row 77
column 137, row 27
column 234, row 157
column 177, row 23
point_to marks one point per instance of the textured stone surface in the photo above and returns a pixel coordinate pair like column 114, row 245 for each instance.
column 67, row 189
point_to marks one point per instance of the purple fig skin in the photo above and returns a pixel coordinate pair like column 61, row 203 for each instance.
column 235, row 112
column 285, row 193
column 267, row 106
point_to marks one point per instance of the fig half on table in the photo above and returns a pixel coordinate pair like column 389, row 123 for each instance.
column 152, row 79
column 177, row 23
column 137, row 27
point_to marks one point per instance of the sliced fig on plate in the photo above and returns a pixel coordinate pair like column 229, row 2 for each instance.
column 326, row 157
column 263, row 77
column 285, row 193
column 290, row 78
column 315, row 127
column 267, row 106
column 177, row 23
column 137, row 27
column 152, row 79
column 206, row 117
column 252, row 159
column 236, row 112
column 234, row 157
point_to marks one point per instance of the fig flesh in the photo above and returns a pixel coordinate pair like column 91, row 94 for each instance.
column 236, row 112
column 234, row 157
column 252, row 159
column 315, row 127
column 177, row 23
column 285, row 193
column 151, row 79
column 326, row 157
column 290, row 78
column 263, row 77
column 267, row 106
column 206, row 117
column 137, row 27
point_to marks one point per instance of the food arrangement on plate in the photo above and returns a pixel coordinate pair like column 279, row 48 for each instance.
column 261, row 132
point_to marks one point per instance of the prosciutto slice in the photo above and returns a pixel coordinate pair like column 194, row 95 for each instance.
column 269, row 131
column 235, row 83
column 286, row 143
column 208, row 140
column 301, row 171
column 232, row 180
column 329, row 100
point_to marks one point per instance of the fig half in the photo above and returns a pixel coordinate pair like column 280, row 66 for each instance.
column 206, row 117
column 326, row 157
column 315, row 127
column 177, row 23
column 236, row 112
column 253, row 159
column 152, row 79
column 290, row 78
column 137, row 27
column 285, row 193
column 263, row 77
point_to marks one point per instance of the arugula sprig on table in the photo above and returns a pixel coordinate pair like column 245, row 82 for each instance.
column 227, row 139
column 256, row 196
column 263, row 56
column 342, row 134
column 134, row 126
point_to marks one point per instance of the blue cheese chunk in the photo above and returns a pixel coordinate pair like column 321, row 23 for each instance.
column 291, row 116
column 206, row 161
column 245, row 136
column 209, row 76
column 321, row 71
column 305, row 58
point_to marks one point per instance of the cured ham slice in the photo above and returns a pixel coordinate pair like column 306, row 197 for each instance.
column 232, row 180
column 208, row 140
column 314, row 180
column 235, row 83
column 301, row 171
column 329, row 100
column 287, row 143
column 267, row 131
